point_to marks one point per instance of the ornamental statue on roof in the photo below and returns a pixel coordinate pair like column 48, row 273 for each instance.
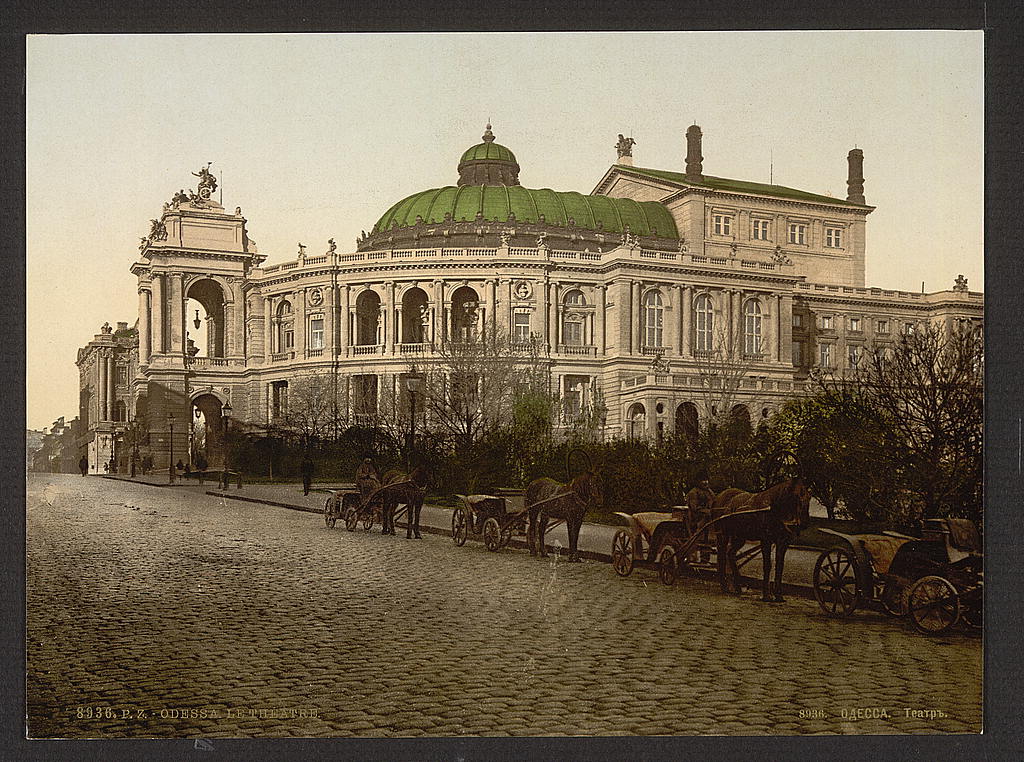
column 960, row 284
column 207, row 182
column 625, row 146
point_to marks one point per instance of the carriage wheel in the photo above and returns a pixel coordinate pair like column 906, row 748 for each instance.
column 492, row 534
column 622, row 553
column 330, row 517
column 933, row 604
column 368, row 520
column 972, row 608
column 351, row 519
column 667, row 570
column 894, row 599
column 460, row 527
column 835, row 583
column 506, row 536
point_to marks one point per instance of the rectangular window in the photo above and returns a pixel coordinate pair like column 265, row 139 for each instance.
column 761, row 230
column 854, row 324
column 834, row 238
column 722, row 224
column 826, row 322
column 853, row 354
column 279, row 398
column 572, row 333
column 521, row 327
column 289, row 340
column 883, row 326
column 364, row 397
column 798, row 320
column 825, row 356
column 122, row 374
column 316, row 333
column 797, row 233
column 908, row 328
column 798, row 353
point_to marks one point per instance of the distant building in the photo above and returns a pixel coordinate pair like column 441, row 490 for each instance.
column 105, row 366
column 626, row 290
column 57, row 451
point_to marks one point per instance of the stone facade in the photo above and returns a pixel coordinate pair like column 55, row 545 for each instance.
column 774, row 275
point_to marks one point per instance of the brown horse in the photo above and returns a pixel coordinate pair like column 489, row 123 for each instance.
column 408, row 489
column 776, row 510
column 547, row 499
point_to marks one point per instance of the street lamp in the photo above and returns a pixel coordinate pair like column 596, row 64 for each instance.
column 413, row 382
column 225, row 412
column 170, row 463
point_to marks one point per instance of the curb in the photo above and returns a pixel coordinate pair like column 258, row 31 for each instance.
column 789, row 588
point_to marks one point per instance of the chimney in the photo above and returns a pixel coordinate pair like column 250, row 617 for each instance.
column 694, row 168
column 855, row 182
column 122, row 326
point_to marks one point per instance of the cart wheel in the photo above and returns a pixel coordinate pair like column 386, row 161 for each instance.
column 492, row 534
column 622, row 553
column 933, row 604
column 460, row 527
column 894, row 599
column 368, row 520
column 506, row 536
column 667, row 570
column 351, row 519
column 972, row 608
column 835, row 583
column 330, row 517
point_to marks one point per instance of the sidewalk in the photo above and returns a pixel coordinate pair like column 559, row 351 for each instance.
column 595, row 540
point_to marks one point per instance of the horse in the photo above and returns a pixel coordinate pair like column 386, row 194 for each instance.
column 766, row 517
column 409, row 489
column 546, row 498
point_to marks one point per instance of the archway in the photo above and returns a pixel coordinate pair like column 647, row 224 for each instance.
column 687, row 426
column 465, row 314
column 368, row 317
column 206, row 306
column 739, row 422
column 206, row 431
column 415, row 317
column 636, row 421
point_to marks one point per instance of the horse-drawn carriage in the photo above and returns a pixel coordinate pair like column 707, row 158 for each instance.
column 936, row 580
column 346, row 504
column 493, row 518
column 380, row 504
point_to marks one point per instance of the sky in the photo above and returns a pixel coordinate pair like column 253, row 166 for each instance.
column 315, row 136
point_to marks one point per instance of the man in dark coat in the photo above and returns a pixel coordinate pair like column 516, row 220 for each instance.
column 307, row 474
column 83, row 465
column 367, row 481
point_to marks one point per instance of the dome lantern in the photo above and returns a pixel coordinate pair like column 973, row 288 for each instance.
column 488, row 163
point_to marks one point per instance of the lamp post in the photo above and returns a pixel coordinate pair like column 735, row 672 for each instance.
column 413, row 382
column 225, row 413
column 170, row 463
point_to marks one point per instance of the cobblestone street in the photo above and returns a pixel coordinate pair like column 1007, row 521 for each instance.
column 147, row 604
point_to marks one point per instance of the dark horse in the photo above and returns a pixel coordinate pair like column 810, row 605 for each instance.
column 776, row 510
column 547, row 499
column 409, row 489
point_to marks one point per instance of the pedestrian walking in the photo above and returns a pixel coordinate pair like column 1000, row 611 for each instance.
column 83, row 465
column 307, row 474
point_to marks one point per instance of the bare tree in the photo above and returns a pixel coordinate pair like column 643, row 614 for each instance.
column 312, row 409
column 722, row 370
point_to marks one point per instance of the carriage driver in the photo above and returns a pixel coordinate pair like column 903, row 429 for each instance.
column 699, row 500
column 368, row 481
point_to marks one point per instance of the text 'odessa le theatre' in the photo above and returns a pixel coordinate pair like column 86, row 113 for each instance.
column 625, row 291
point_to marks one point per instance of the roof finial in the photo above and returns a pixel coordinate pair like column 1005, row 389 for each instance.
column 488, row 135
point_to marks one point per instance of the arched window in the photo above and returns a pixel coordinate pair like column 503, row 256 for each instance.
column 575, row 298
column 654, row 318
column 636, row 421
column 704, row 321
column 573, row 322
column 752, row 319
column 285, row 327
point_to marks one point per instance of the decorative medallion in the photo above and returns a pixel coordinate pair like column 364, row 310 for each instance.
column 316, row 296
column 523, row 290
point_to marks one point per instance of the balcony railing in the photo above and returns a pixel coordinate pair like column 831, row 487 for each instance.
column 368, row 349
column 314, row 352
column 415, row 348
column 577, row 350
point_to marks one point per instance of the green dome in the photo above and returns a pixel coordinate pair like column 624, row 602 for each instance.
column 498, row 202
column 494, row 151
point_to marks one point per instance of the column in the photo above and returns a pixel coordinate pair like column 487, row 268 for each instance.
column 270, row 402
column 389, row 318
column 670, row 325
column 506, row 309
column 622, row 297
column 330, row 318
column 651, row 405
column 772, row 329
column 491, row 300
column 553, row 316
column 101, row 363
column 438, row 333
column 111, row 393
column 236, row 321
column 300, row 322
column 268, row 327
column 685, row 319
column 634, row 318
column 346, row 319
column 145, row 327
column 158, row 306
column 400, row 337
column 786, row 330
column 177, row 328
